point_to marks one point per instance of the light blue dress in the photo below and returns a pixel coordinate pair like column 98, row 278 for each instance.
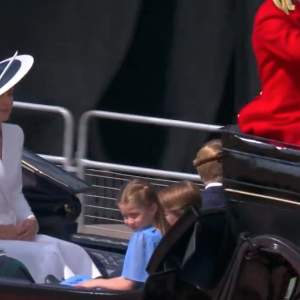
column 140, row 249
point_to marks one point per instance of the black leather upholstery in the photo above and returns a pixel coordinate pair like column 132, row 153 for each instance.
column 262, row 268
column 257, row 166
column 100, row 242
column 213, row 248
column 14, row 281
column 194, row 247
column 262, row 183
column 107, row 253
column 16, row 289
column 51, row 279
column 109, row 264
column 168, row 286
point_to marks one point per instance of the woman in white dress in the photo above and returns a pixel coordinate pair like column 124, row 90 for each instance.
column 42, row 255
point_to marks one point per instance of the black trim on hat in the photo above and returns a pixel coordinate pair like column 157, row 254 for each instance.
column 10, row 72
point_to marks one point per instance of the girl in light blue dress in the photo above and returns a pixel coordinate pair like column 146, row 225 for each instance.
column 142, row 212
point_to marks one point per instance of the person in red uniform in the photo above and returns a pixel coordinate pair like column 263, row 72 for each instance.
column 275, row 113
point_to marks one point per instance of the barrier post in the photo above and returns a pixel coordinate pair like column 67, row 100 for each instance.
column 68, row 141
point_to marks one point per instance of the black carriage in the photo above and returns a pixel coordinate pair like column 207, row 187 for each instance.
column 195, row 260
column 257, row 254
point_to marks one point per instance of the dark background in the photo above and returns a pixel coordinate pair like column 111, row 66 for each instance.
column 181, row 59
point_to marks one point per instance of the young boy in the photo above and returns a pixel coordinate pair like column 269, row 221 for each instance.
column 177, row 197
column 209, row 166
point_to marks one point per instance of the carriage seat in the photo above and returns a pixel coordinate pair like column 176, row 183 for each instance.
column 100, row 242
column 110, row 264
column 261, row 179
column 197, row 246
column 213, row 247
column 264, row 267
column 14, row 280
column 14, row 288
column 257, row 165
column 107, row 253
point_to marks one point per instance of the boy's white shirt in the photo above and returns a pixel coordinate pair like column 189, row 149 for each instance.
column 213, row 184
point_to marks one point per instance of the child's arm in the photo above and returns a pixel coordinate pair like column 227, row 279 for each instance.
column 118, row 283
column 139, row 251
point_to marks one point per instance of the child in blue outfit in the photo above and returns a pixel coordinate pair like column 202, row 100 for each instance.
column 140, row 249
column 142, row 212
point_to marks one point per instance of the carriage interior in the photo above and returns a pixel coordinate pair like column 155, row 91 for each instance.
column 195, row 260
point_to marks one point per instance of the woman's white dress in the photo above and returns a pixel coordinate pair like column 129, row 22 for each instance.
column 45, row 255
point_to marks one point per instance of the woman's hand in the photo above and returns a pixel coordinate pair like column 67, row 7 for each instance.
column 9, row 232
column 27, row 230
column 23, row 232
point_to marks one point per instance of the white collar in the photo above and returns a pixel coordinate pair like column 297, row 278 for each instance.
column 213, row 184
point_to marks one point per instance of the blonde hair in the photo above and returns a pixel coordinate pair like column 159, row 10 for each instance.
column 177, row 197
column 141, row 193
column 284, row 5
column 209, row 162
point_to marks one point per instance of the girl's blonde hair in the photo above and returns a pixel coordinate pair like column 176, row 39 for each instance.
column 209, row 162
column 285, row 5
column 140, row 193
column 179, row 196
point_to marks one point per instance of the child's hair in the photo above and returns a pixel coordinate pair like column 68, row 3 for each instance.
column 141, row 193
column 177, row 197
column 209, row 162
column 284, row 5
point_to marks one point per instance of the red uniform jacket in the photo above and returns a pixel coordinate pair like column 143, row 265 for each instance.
column 275, row 113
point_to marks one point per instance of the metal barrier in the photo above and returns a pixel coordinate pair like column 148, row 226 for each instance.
column 68, row 141
column 109, row 177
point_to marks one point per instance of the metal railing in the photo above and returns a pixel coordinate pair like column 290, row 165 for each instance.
column 68, row 139
column 101, row 214
column 99, row 206
column 109, row 177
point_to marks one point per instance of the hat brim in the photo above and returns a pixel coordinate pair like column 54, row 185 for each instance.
column 26, row 62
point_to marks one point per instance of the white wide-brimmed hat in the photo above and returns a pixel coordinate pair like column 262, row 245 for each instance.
column 13, row 69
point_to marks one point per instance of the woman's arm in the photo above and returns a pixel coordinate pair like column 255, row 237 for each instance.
column 19, row 204
column 9, row 232
column 118, row 283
